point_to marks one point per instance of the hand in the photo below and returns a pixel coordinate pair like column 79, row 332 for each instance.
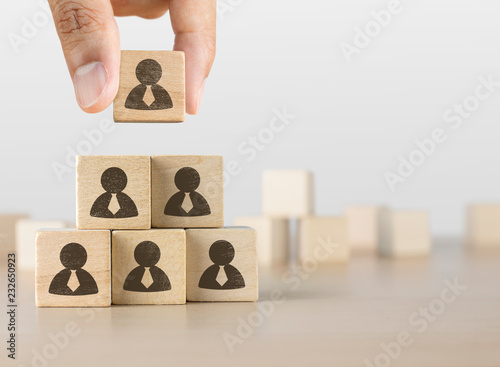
column 91, row 44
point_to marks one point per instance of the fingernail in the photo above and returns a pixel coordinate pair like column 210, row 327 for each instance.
column 200, row 95
column 90, row 82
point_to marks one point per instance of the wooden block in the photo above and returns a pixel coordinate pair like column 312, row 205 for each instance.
column 222, row 264
column 287, row 193
column 187, row 191
column 362, row 225
column 483, row 229
column 152, row 87
column 113, row 192
column 149, row 267
column 323, row 240
column 26, row 230
column 8, row 232
column 404, row 233
column 73, row 268
column 273, row 242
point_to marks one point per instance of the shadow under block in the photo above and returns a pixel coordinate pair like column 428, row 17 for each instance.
column 8, row 223
column 272, row 239
column 113, row 192
column 222, row 264
column 149, row 267
column 73, row 268
column 26, row 230
column 483, row 225
column 187, row 191
column 287, row 193
column 323, row 240
column 362, row 225
column 152, row 87
column 404, row 233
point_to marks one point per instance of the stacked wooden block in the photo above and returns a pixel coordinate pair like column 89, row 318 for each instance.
column 149, row 232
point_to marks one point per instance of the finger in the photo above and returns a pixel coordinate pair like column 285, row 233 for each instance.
column 193, row 22
column 91, row 46
column 149, row 9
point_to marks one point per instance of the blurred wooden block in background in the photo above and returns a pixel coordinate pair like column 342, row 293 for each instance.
column 404, row 233
column 362, row 224
column 287, row 193
column 273, row 242
column 222, row 264
column 323, row 240
column 8, row 232
column 73, row 268
column 149, row 267
column 483, row 225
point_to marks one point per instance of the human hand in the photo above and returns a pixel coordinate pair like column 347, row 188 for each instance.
column 91, row 44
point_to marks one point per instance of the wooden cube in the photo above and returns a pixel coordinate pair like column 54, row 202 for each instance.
column 152, row 87
column 26, row 230
column 404, row 233
column 8, row 232
column 483, row 225
column 323, row 240
column 113, row 192
column 149, row 267
column 362, row 228
column 273, row 242
column 222, row 264
column 187, row 191
column 73, row 268
column 287, row 193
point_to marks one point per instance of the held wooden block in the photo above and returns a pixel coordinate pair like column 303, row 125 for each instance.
column 324, row 240
column 483, row 225
column 8, row 232
column 73, row 268
column 25, row 240
column 287, row 193
column 152, row 87
column 187, row 191
column 272, row 239
column 404, row 233
column 222, row 264
column 113, row 192
column 149, row 267
column 362, row 224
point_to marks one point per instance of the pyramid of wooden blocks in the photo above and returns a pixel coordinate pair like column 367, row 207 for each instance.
column 404, row 233
column 362, row 228
column 483, row 229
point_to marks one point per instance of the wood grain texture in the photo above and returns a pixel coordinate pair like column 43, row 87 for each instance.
column 211, row 189
column 287, row 193
column 8, row 232
column 90, row 171
column 49, row 244
column 404, row 233
column 362, row 225
column 172, row 245
column 172, row 80
column 483, row 229
column 273, row 242
column 324, row 240
column 199, row 244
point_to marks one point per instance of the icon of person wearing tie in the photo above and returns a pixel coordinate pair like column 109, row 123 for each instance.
column 221, row 275
column 148, row 95
column 73, row 280
column 147, row 277
column 114, row 203
column 187, row 202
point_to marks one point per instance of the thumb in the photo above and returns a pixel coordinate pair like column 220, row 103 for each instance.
column 91, row 45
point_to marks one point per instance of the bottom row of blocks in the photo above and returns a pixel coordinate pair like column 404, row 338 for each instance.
column 95, row 268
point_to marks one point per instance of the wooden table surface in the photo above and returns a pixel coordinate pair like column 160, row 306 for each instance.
column 441, row 311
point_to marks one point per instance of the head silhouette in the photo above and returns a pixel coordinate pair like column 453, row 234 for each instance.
column 187, row 179
column 221, row 252
column 114, row 180
column 73, row 256
column 148, row 72
column 147, row 254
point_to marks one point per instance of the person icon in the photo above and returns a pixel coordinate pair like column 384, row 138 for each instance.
column 147, row 277
column 73, row 280
column 148, row 95
column 221, row 275
column 114, row 203
column 187, row 202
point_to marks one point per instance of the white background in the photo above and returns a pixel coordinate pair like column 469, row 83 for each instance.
column 353, row 119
